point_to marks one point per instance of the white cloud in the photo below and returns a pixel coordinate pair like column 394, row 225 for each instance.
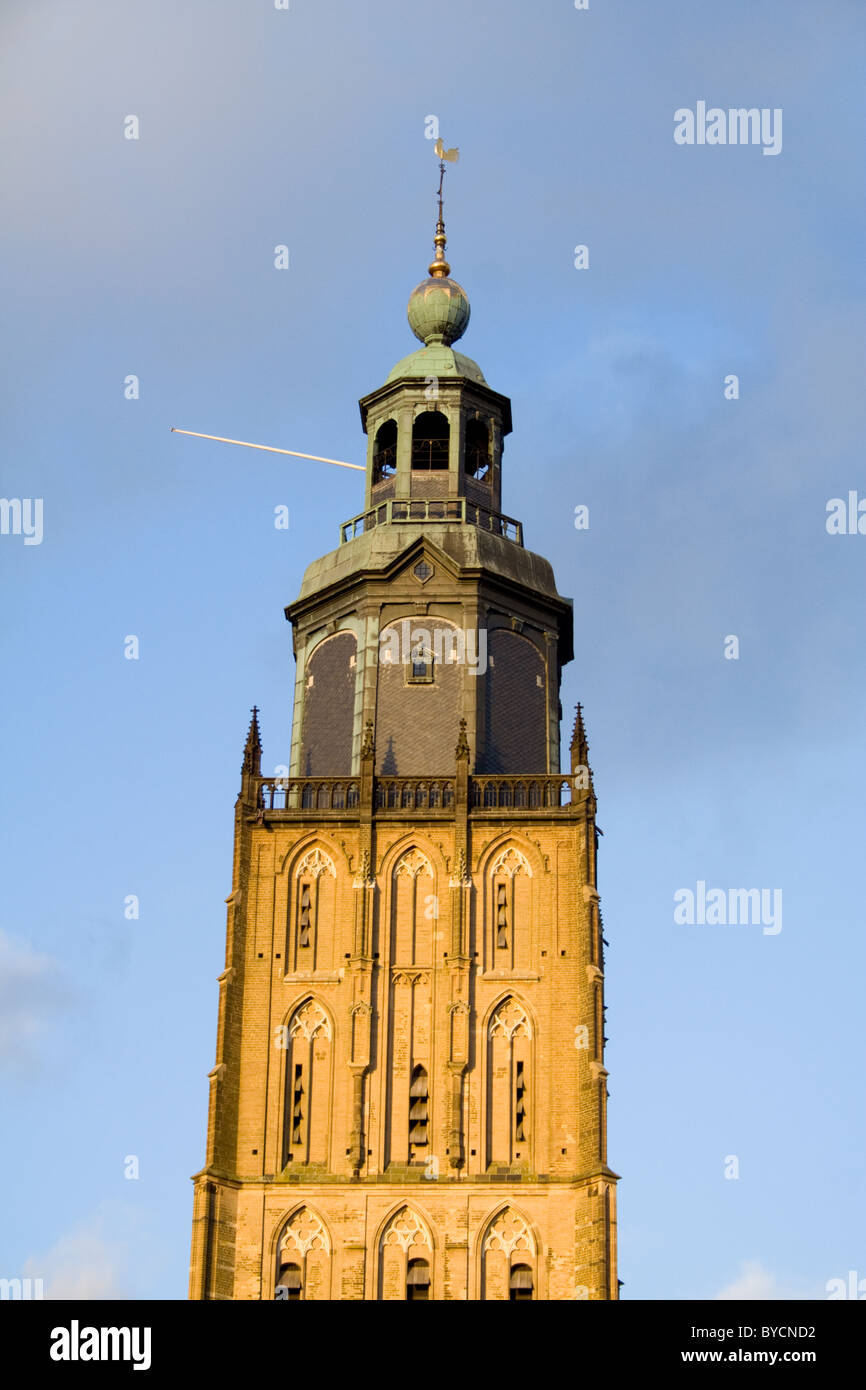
column 32, row 992
column 755, row 1283
column 88, row 1261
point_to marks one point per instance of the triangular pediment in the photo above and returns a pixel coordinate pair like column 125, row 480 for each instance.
column 412, row 561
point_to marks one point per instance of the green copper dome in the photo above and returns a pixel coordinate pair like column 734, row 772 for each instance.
column 438, row 310
column 437, row 359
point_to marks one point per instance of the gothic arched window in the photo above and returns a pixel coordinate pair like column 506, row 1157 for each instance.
column 405, row 1254
column 385, row 452
column 430, row 435
column 509, row 936
column 509, row 1257
column 509, row 1080
column 303, row 1258
column 315, row 882
column 414, row 905
column 476, row 458
column 307, row 1085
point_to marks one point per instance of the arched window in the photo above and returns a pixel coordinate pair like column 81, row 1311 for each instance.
column 405, row 1257
column 509, row 1077
column 430, row 434
column 412, row 926
column 509, row 1258
column 509, row 934
column 476, row 459
column 307, row 1086
column 315, row 882
column 303, row 1258
column 417, row 1280
column 409, row 1009
column 327, row 722
column 385, row 452
column 520, row 1283
column 517, row 678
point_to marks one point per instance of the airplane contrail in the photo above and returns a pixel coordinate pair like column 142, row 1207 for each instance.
column 269, row 448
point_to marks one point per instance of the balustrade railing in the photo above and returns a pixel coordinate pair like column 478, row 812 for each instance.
column 432, row 509
column 519, row 793
column 409, row 794
column 309, row 794
column 537, row 792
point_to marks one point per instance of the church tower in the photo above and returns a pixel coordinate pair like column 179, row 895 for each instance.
column 409, row 1099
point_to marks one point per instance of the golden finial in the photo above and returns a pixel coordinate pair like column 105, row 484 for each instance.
column 439, row 268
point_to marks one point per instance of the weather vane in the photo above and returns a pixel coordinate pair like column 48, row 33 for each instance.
column 442, row 154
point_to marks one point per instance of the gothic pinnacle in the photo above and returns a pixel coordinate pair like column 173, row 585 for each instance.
column 580, row 747
column 252, row 763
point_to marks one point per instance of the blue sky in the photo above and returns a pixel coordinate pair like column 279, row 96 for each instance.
column 155, row 257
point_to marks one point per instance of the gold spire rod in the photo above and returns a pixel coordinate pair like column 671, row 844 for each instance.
column 269, row 448
column 439, row 267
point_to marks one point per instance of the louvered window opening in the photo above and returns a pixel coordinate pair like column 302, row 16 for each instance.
column 298, row 1106
column 304, row 924
column 418, row 1280
column 418, row 1100
column 501, row 917
column 520, row 1104
column 290, row 1278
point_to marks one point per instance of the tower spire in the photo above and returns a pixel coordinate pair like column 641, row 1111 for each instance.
column 580, row 749
column 438, row 309
column 439, row 268
column 252, row 764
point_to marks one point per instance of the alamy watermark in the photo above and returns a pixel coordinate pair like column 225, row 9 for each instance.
column 846, row 519
column 21, row 1289
column 714, row 125
column 854, row 1287
column 737, row 907
column 22, row 516
column 411, row 645
column 77, row 1343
